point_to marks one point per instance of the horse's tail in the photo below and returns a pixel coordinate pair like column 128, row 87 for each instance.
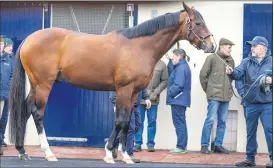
column 17, row 103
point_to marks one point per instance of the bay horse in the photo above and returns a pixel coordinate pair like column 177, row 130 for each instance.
column 121, row 61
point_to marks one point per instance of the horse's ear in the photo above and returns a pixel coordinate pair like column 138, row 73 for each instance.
column 188, row 10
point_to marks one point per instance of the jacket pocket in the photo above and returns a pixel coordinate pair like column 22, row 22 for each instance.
column 214, row 91
column 178, row 95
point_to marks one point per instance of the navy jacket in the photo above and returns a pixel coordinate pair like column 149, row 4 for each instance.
column 239, row 84
column 6, row 66
column 141, row 95
column 179, row 85
column 251, row 70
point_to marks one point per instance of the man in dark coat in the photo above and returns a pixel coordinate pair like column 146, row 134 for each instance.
column 6, row 61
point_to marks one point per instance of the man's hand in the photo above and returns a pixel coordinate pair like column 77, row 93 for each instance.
column 268, row 80
column 229, row 70
column 148, row 104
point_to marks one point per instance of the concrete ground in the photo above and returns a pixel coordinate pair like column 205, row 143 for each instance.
column 92, row 157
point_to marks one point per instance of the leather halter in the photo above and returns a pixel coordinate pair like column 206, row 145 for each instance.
column 201, row 38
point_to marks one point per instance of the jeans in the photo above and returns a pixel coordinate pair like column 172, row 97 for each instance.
column 253, row 112
column 151, row 128
column 179, row 122
column 133, row 127
column 215, row 107
column 4, row 119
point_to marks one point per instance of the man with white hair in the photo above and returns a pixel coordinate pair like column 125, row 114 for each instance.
column 256, row 70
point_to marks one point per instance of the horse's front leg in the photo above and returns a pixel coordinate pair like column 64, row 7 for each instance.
column 123, row 96
column 128, row 130
column 110, row 144
column 124, row 140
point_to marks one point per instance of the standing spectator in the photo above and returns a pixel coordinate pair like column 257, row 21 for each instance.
column 5, row 79
column 156, row 86
column 217, row 87
column 178, row 96
column 256, row 70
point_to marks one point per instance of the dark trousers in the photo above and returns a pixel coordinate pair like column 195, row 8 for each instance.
column 179, row 122
column 253, row 113
column 3, row 121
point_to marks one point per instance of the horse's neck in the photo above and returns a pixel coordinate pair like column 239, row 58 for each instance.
column 161, row 42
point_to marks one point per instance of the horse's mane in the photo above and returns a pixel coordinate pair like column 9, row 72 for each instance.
column 152, row 26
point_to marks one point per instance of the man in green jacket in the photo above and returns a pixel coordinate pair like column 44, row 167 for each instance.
column 157, row 84
column 218, row 89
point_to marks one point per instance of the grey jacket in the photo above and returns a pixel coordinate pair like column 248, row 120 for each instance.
column 158, row 83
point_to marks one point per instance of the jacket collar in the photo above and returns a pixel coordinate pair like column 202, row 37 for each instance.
column 254, row 59
column 182, row 61
column 4, row 57
column 227, row 58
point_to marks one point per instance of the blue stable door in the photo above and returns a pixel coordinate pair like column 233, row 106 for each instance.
column 258, row 21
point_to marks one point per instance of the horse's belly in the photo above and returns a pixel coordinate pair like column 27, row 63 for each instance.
column 89, row 80
column 96, row 86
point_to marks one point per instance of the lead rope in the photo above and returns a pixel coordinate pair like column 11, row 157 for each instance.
column 230, row 81
column 252, row 85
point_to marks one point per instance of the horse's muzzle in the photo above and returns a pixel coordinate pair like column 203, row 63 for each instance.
column 209, row 48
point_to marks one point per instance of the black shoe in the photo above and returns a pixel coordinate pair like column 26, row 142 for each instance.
column 205, row 150
column 269, row 164
column 4, row 144
column 137, row 148
column 212, row 146
column 220, row 149
column 245, row 163
column 150, row 149
column 135, row 160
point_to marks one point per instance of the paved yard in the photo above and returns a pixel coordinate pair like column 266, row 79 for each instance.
column 83, row 157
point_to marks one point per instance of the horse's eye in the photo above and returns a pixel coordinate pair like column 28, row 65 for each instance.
column 198, row 23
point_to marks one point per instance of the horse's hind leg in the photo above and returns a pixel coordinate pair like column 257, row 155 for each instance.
column 37, row 105
column 22, row 153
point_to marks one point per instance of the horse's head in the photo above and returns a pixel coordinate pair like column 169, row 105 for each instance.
column 194, row 29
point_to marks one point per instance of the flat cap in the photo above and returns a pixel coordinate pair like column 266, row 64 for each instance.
column 224, row 41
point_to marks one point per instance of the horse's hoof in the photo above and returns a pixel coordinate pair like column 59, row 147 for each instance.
column 51, row 158
column 128, row 161
column 109, row 160
column 24, row 157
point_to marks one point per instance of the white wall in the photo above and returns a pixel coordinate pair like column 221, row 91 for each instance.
column 224, row 19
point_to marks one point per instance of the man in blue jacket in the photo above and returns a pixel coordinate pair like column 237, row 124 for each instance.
column 239, row 84
column 178, row 96
column 134, row 123
column 6, row 61
column 256, row 71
